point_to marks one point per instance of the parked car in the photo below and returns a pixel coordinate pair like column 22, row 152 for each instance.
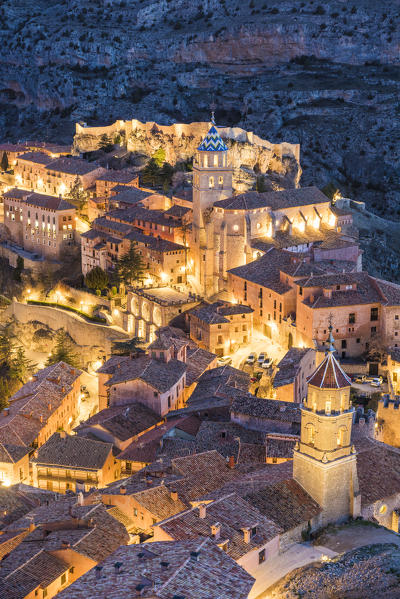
column 376, row 382
column 267, row 363
column 224, row 361
column 261, row 358
column 360, row 378
column 251, row 358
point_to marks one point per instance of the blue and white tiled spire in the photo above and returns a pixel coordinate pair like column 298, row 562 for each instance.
column 213, row 142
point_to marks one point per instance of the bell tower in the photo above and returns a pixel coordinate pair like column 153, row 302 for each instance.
column 212, row 181
column 324, row 462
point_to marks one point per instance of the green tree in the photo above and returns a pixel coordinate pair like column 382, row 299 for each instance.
column 64, row 351
column 21, row 368
column 125, row 348
column 130, row 267
column 19, row 268
column 4, row 393
column 4, row 162
column 105, row 143
column 77, row 196
column 150, row 173
column 159, row 157
column 96, row 278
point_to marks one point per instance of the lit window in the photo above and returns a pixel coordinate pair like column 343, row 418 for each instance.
column 211, row 182
column 236, row 227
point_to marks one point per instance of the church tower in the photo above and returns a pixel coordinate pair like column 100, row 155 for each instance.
column 212, row 181
column 325, row 463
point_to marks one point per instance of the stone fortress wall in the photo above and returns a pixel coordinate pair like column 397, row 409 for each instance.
column 181, row 140
column 94, row 335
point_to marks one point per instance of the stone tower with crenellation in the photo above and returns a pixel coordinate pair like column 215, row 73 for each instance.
column 325, row 463
column 212, row 181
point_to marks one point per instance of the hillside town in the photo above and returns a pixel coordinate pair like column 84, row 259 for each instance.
column 195, row 369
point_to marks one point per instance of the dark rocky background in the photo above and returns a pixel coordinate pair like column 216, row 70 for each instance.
column 326, row 75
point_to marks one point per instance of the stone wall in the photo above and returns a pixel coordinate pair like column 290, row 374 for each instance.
column 91, row 337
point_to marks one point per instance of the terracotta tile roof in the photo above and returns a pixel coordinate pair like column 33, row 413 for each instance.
column 156, row 373
column 390, row 291
column 72, row 166
column 329, row 374
column 12, row 453
column 286, row 503
column 275, row 200
column 123, row 422
column 156, row 244
column 195, row 569
column 269, row 409
column 159, row 502
column 197, row 362
column 223, row 437
column 73, row 452
column 128, row 195
column 119, row 176
column 35, row 402
column 233, row 515
column 18, row 500
column 394, row 353
column 378, row 470
column 48, row 202
column 220, row 382
column 148, row 446
column 36, row 157
column 218, row 312
column 289, row 367
column 122, row 517
column 280, row 446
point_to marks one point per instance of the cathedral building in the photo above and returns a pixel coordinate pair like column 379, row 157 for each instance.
column 325, row 462
column 230, row 231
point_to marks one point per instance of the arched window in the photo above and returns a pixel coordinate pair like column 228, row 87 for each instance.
column 342, row 402
column 328, row 406
column 341, row 436
column 205, row 160
column 211, row 182
column 235, row 227
column 310, row 434
column 221, row 180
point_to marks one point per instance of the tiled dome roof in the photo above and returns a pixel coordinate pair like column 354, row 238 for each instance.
column 329, row 374
column 213, row 142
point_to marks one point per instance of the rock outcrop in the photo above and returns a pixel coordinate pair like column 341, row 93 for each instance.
column 325, row 75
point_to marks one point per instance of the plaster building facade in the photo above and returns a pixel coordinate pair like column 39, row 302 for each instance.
column 324, row 461
column 40, row 172
column 290, row 381
column 221, row 327
column 74, row 463
column 38, row 223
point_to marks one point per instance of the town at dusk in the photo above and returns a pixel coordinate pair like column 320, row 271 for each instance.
column 199, row 299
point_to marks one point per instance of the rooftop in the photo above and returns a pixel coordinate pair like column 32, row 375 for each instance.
column 48, row 202
column 119, row 176
column 218, row 312
column 72, row 166
column 195, row 569
column 36, row 157
column 329, row 374
column 122, row 422
column 286, row 503
column 158, row 374
column 233, row 514
column 73, row 451
column 276, row 200
column 33, row 404
column 270, row 409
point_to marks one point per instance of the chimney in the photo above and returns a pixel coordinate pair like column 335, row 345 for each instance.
column 202, row 510
column 80, row 498
column 174, row 496
column 117, row 567
column 231, row 462
column 31, row 527
column 194, row 556
column 216, row 530
column 246, row 535
column 98, row 570
column 164, row 565
column 63, row 435
column 122, row 490
column 65, row 545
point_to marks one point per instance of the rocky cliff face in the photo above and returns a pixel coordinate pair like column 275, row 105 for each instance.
column 325, row 75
